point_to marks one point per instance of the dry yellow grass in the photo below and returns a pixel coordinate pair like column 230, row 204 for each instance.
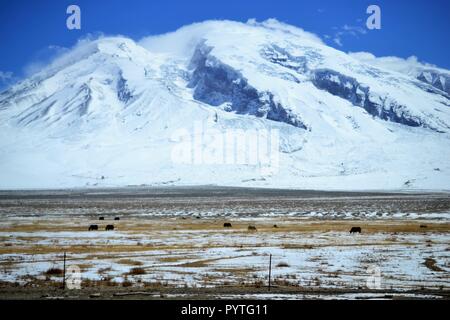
column 137, row 271
column 84, row 266
column 164, row 229
column 197, row 264
column 130, row 262
column 172, row 259
column 237, row 271
column 430, row 263
column 74, row 249
column 283, row 225
column 206, row 262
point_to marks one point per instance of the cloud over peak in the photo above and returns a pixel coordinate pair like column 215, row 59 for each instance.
column 410, row 66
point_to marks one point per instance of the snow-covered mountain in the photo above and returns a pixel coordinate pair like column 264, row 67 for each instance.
column 114, row 112
column 437, row 77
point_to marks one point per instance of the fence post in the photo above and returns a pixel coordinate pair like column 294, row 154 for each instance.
column 270, row 269
column 64, row 272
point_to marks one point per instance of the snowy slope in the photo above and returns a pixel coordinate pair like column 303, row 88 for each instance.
column 114, row 112
column 430, row 74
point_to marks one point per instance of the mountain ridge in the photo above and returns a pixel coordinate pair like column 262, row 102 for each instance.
column 109, row 113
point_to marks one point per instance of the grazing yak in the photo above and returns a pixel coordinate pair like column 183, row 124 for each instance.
column 93, row 227
column 116, row 218
column 355, row 230
column 101, row 218
column 227, row 225
column 109, row 227
column 251, row 228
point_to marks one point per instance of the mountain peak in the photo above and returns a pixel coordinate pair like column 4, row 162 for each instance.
column 111, row 107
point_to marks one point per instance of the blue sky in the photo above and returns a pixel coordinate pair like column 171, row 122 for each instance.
column 31, row 32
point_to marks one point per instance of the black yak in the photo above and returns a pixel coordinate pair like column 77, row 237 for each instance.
column 93, row 227
column 109, row 227
column 355, row 230
column 227, row 225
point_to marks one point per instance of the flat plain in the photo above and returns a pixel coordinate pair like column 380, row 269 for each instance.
column 170, row 243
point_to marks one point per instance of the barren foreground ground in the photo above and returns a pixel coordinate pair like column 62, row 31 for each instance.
column 171, row 243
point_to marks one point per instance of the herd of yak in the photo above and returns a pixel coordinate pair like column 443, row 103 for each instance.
column 109, row 227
